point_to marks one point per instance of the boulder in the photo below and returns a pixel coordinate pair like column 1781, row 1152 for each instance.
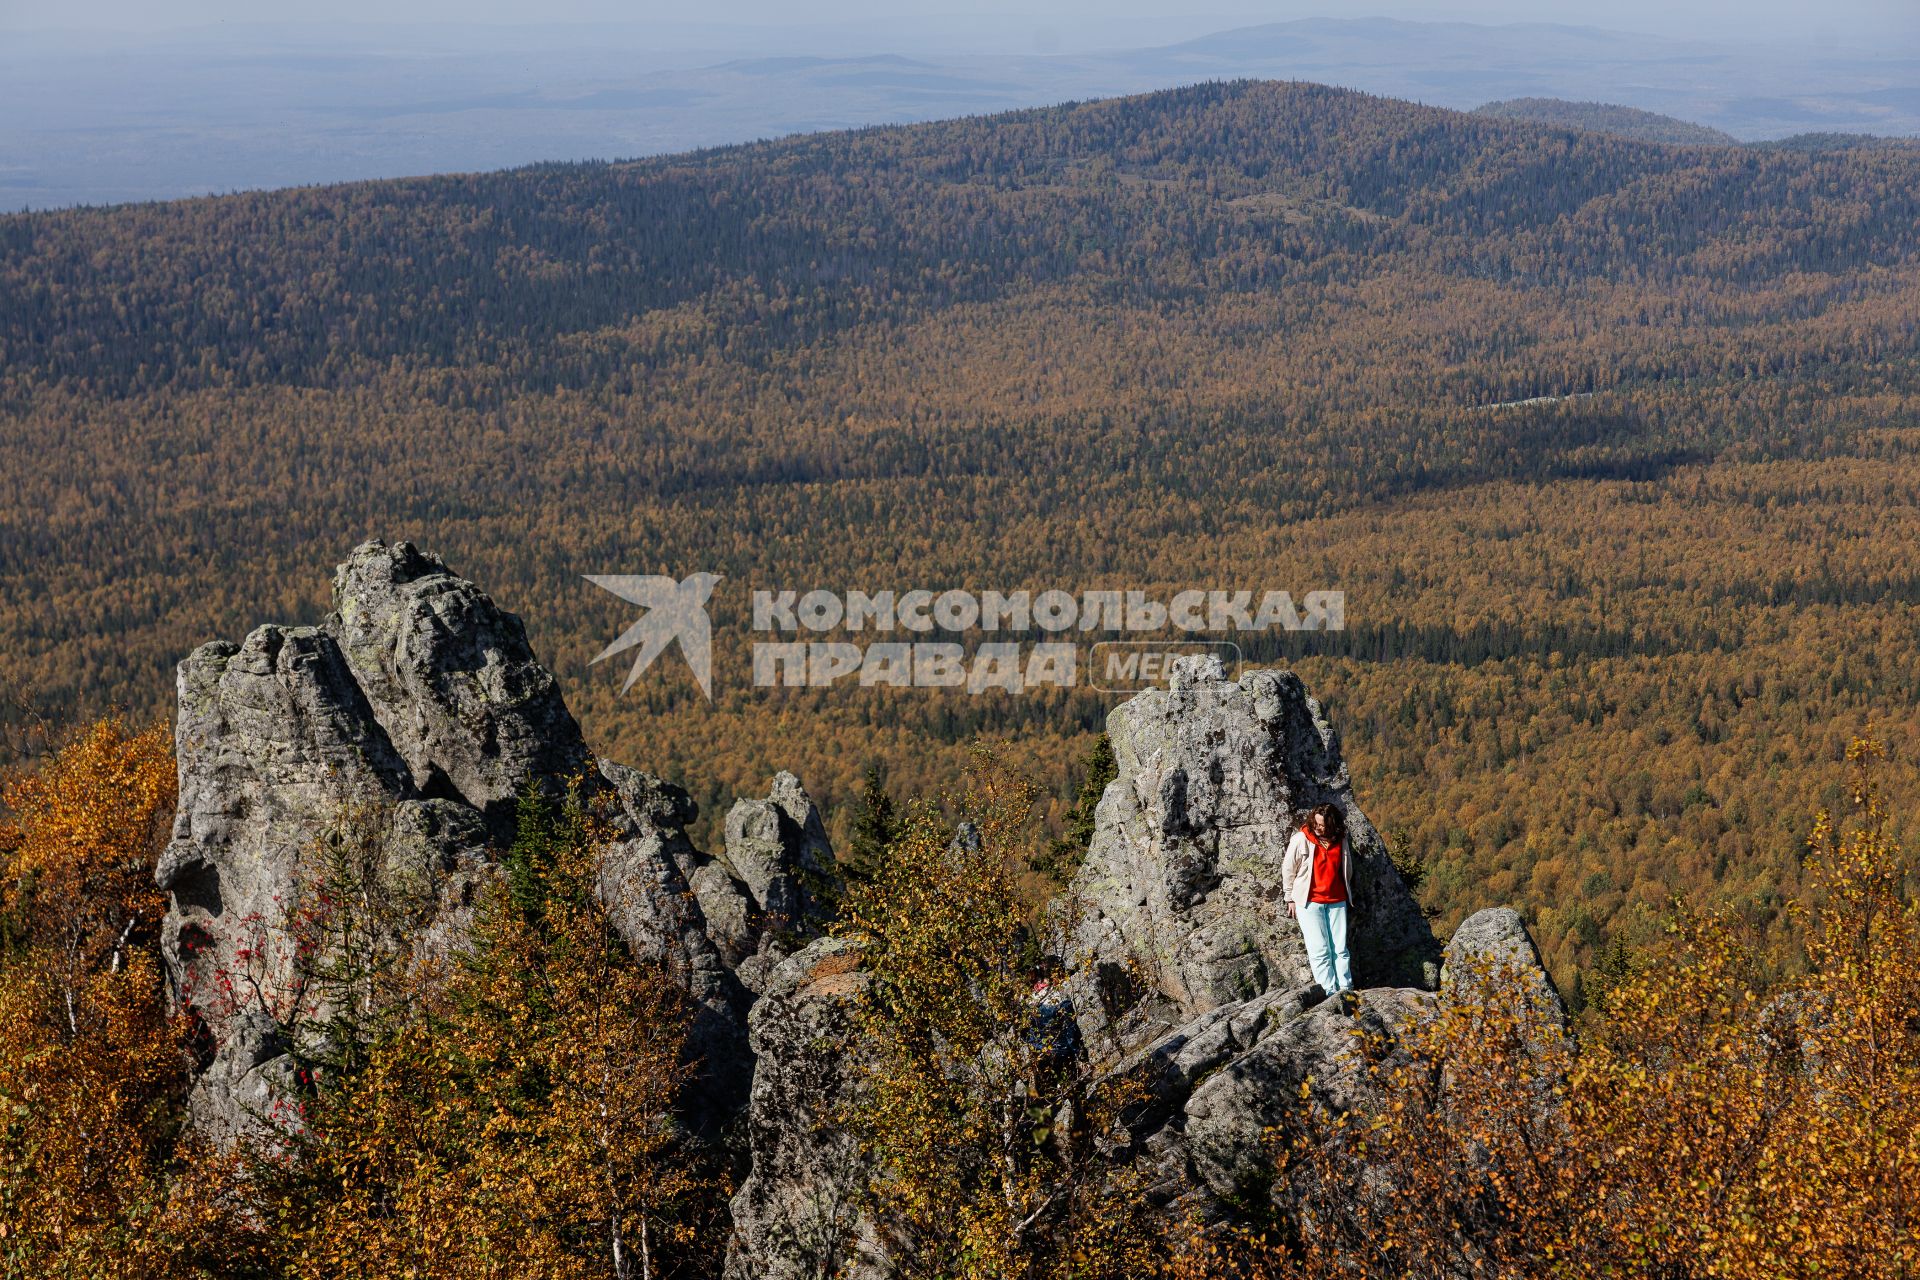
column 1493, row 946
column 1511, row 1013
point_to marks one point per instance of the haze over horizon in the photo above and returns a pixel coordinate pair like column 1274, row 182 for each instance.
column 1060, row 25
column 102, row 109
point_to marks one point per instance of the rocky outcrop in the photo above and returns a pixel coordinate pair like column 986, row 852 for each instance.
column 413, row 715
column 277, row 745
column 1229, row 1121
column 1492, row 964
column 778, row 848
column 800, row 1211
column 1181, row 886
column 416, row 713
column 1186, row 975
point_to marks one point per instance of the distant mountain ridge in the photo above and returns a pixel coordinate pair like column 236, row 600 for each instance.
column 264, row 107
column 1607, row 117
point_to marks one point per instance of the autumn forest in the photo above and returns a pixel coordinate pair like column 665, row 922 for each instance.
column 1612, row 447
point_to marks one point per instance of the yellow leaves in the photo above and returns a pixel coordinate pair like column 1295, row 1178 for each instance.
column 1703, row 1126
column 98, row 803
column 985, row 1139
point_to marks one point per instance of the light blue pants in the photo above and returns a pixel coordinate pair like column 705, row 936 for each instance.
column 1324, row 926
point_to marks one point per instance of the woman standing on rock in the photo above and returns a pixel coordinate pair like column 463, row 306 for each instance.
column 1314, row 873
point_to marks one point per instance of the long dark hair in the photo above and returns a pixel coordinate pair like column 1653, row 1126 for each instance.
column 1336, row 822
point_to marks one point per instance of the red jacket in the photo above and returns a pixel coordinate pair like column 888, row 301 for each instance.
column 1297, row 868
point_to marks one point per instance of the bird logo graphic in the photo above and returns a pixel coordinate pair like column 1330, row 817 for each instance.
column 675, row 611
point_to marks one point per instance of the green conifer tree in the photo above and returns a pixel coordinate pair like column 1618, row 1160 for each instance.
column 875, row 827
column 1063, row 856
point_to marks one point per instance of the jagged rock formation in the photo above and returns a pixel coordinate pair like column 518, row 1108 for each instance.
column 417, row 709
column 451, row 681
column 646, row 883
column 1181, row 887
column 283, row 738
column 1227, row 1117
column 777, row 850
column 1491, row 959
column 1185, row 972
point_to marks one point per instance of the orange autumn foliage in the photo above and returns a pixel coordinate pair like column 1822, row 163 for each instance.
column 1731, row 1109
column 92, row 1069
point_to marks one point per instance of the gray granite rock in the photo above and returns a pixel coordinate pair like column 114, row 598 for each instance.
column 276, row 748
column 644, row 885
column 799, row 1214
column 451, row 680
column 1331, row 1048
column 1182, row 881
column 778, row 849
column 1493, row 945
column 412, row 716
column 246, row 1092
column 1492, row 965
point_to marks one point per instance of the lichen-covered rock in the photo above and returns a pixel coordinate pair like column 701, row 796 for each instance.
column 778, row 848
column 1182, row 881
column 246, row 1091
column 1491, row 946
column 1330, row 1048
column 451, row 679
column 276, row 747
column 644, row 885
column 800, row 1212
column 412, row 715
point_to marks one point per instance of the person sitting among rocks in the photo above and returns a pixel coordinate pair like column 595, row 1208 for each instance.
column 1314, row 873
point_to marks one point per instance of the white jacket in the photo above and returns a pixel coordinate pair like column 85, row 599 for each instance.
column 1296, row 869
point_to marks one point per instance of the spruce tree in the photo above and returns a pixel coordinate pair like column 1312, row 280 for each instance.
column 874, row 828
column 1063, row 856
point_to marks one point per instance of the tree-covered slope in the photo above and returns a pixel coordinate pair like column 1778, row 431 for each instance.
column 1607, row 117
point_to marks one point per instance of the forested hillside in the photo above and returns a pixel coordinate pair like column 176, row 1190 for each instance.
column 1612, row 446
column 1606, row 117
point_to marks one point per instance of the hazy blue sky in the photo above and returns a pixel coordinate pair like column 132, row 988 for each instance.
column 1071, row 24
column 103, row 101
